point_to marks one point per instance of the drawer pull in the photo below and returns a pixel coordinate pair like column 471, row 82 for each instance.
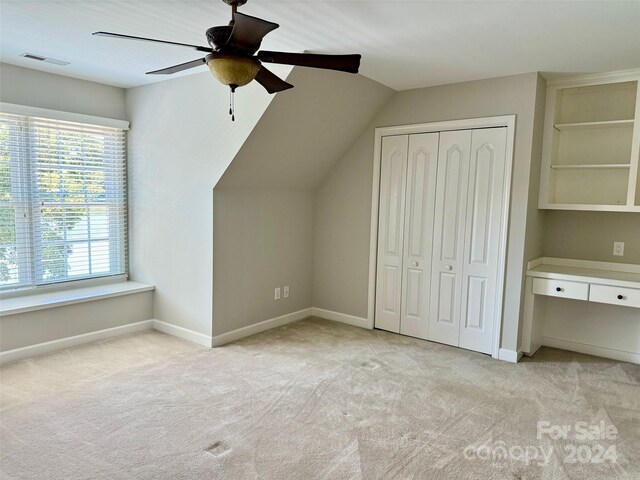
column 620, row 297
column 558, row 289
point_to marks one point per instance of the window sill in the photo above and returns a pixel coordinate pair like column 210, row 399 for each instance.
column 42, row 301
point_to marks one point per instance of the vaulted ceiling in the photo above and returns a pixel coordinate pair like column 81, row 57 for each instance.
column 405, row 44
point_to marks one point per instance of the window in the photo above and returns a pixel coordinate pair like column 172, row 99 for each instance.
column 63, row 210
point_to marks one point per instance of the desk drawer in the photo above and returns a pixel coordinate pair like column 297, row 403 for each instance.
column 629, row 297
column 561, row 288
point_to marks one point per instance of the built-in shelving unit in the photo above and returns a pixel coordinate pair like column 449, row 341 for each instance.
column 592, row 143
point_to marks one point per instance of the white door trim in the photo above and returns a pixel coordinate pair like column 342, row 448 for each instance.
column 508, row 121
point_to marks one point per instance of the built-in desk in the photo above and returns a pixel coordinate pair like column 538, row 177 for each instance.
column 601, row 282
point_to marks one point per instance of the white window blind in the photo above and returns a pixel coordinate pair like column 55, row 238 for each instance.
column 63, row 213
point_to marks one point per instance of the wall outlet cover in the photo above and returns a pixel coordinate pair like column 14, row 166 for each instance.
column 285, row 291
column 618, row 249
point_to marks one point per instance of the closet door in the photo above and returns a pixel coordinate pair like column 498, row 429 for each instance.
column 418, row 234
column 482, row 238
column 449, row 233
column 393, row 174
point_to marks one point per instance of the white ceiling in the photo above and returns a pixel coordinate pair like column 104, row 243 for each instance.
column 405, row 44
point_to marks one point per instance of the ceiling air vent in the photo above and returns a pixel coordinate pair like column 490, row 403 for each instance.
column 40, row 58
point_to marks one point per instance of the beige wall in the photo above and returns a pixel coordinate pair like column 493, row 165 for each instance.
column 344, row 277
column 30, row 328
column 342, row 224
column 592, row 324
column 262, row 239
column 24, row 86
column 180, row 143
column 590, row 235
column 306, row 130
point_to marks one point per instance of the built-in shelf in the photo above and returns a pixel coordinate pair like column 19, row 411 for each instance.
column 591, row 167
column 591, row 147
column 584, row 125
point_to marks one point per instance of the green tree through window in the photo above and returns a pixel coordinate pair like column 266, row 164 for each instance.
column 62, row 201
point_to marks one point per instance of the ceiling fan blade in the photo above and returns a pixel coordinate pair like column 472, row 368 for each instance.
column 248, row 32
column 271, row 82
column 179, row 68
column 129, row 37
column 343, row 63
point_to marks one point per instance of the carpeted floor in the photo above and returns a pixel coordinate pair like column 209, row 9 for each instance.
column 315, row 400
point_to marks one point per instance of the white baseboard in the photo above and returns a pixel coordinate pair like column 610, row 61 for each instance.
column 184, row 333
column 622, row 355
column 340, row 317
column 68, row 342
column 509, row 355
column 219, row 340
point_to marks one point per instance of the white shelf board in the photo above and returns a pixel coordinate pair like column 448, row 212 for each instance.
column 583, row 125
column 590, row 167
column 589, row 207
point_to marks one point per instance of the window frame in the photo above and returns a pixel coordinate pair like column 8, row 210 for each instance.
column 27, row 239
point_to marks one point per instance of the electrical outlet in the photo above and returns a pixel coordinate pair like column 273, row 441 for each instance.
column 285, row 291
column 618, row 249
column 277, row 294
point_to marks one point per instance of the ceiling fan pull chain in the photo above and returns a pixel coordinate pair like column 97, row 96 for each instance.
column 232, row 103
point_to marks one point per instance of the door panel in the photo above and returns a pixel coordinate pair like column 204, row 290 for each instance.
column 447, row 296
column 482, row 238
column 449, row 228
column 419, row 210
column 393, row 173
column 475, row 313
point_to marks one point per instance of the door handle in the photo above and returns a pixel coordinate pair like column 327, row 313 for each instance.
column 448, row 267
column 415, row 264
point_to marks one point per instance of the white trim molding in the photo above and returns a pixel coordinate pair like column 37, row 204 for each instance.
column 28, row 111
column 68, row 342
column 508, row 121
column 586, row 348
column 591, row 78
column 232, row 336
column 341, row 317
column 181, row 332
column 509, row 355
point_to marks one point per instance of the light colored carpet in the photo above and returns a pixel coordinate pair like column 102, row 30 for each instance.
column 311, row 400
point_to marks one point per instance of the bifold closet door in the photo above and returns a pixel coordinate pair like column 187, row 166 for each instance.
column 483, row 227
column 393, row 179
column 448, row 239
column 466, row 247
column 439, row 236
column 418, row 234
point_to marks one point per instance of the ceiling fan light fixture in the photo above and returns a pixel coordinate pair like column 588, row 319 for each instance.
column 234, row 71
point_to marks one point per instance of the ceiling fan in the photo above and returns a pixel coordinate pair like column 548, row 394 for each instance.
column 232, row 57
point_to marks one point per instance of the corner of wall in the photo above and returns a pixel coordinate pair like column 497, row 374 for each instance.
column 264, row 205
column 535, row 225
column 180, row 143
column 342, row 224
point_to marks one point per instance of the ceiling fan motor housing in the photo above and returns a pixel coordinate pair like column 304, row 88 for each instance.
column 218, row 36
